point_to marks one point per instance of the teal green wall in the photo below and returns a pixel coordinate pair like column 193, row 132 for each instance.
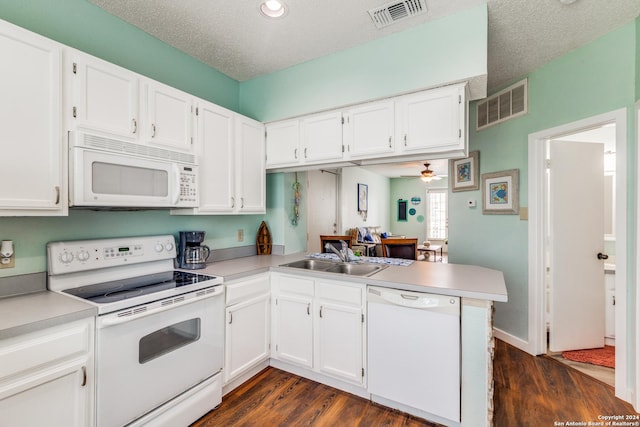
column 32, row 234
column 280, row 213
column 591, row 80
column 446, row 50
column 80, row 24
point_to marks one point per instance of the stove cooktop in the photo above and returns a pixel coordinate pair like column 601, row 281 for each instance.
column 135, row 287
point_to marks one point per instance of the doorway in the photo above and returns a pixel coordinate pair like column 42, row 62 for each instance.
column 539, row 246
column 322, row 206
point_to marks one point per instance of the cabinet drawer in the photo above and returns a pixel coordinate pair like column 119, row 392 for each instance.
column 341, row 292
column 294, row 285
column 38, row 349
column 247, row 288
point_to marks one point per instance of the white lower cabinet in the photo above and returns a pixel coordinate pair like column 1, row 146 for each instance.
column 319, row 325
column 247, row 332
column 46, row 377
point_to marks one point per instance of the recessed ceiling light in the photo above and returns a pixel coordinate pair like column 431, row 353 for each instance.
column 273, row 8
column 567, row 1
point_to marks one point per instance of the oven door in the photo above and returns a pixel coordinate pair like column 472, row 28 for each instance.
column 145, row 360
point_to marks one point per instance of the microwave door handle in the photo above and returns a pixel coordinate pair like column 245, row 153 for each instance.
column 176, row 182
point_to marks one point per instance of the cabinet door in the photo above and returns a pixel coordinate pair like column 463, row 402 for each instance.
column 215, row 138
column 340, row 345
column 293, row 329
column 105, row 97
column 250, row 166
column 433, row 121
column 169, row 117
column 56, row 397
column 321, row 137
column 31, row 163
column 370, row 129
column 283, row 143
column 247, row 335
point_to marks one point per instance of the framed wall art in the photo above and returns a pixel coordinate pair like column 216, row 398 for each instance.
column 363, row 197
column 500, row 192
column 464, row 173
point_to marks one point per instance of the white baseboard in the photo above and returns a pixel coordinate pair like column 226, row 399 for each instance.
column 518, row 343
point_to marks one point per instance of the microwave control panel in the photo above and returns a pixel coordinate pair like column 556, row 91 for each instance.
column 188, row 187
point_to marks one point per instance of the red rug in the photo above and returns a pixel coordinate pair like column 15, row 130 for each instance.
column 596, row 356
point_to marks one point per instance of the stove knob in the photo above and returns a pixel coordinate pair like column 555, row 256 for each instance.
column 159, row 247
column 66, row 257
column 169, row 247
column 83, row 256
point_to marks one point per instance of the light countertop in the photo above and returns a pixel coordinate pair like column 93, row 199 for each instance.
column 467, row 281
column 22, row 314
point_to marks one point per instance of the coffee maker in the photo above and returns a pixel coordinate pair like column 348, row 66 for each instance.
column 192, row 254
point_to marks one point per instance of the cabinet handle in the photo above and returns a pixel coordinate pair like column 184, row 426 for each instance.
column 57, row 195
column 230, row 318
column 295, row 153
column 305, row 152
column 153, row 130
column 390, row 142
column 84, row 376
column 320, row 311
column 134, row 125
column 309, row 309
column 405, row 139
column 233, row 202
column 241, row 202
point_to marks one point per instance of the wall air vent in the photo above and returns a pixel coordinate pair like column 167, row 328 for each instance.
column 506, row 104
column 393, row 12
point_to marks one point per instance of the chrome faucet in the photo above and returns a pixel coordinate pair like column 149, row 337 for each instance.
column 343, row 253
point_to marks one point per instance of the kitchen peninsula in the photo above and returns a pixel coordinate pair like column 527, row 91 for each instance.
column 267, row 318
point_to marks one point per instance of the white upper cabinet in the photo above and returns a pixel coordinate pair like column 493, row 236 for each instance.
column 283, row 143
column 215, row 137
column 169, row 117
column 432, row 121
column 370, row 130
column 32, row 164
column 423, row 125
column 250, row 166
column 321, row 137
column 231, row 151
column 104, row 97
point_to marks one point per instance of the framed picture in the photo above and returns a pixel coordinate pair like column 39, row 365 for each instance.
column 363, row 197
column 402, row 210
column 464, row 173
column 500, row 193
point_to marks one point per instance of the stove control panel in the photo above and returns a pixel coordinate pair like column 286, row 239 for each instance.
column 85, row 255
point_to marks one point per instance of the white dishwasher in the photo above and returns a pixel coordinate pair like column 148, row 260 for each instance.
column 414, row 352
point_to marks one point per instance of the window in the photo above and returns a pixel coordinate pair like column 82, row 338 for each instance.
column 437, row 220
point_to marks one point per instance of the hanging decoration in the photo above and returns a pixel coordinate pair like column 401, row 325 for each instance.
column 296, row 202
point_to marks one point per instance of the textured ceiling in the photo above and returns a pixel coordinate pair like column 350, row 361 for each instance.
column 232, row 37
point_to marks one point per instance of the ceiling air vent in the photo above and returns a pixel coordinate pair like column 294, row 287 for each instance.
column 506, row 104
column 396, row 11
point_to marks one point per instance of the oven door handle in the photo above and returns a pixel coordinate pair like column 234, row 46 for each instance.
column 136, row 313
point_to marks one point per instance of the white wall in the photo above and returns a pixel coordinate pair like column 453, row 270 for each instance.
column 378, row 214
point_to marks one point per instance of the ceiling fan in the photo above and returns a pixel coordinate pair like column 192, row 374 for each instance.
column 427, row 175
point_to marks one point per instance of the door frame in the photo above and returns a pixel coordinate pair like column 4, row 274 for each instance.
column 537, row 336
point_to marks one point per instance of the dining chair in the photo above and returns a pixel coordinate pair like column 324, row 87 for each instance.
column 334, row 240
column 400, row 248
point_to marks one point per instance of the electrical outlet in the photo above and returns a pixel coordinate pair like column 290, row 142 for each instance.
column 240, row 235
column 8, row 262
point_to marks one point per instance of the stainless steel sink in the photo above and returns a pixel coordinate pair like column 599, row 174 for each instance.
column 311, row 264
column 356, row 269
column 353, row 269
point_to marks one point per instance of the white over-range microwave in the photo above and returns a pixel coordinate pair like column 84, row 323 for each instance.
column 110, row 173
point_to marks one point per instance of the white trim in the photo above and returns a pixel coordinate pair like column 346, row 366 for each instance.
column 511, row 339
column 537, row 339
column 635, row 387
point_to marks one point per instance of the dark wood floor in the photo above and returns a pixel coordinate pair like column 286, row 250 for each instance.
column 529, row 391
